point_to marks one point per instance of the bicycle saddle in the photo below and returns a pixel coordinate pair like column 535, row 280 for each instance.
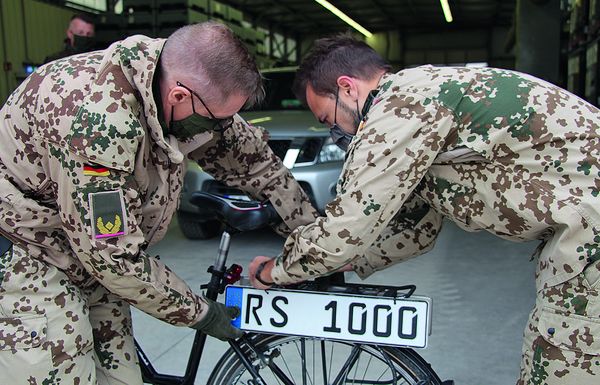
column 241, row 215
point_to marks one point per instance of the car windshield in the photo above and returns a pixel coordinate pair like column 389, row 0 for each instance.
column 279, row 95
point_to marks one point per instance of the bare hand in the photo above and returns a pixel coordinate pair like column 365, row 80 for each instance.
column 347, row 267
column 265, row 274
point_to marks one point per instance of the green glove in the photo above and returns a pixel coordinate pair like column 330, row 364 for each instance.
column 217, row 321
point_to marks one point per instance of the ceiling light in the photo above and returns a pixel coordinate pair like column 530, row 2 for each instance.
column 344, row 17
column 446, row 9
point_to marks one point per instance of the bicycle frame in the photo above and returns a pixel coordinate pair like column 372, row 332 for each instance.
column 214, row 288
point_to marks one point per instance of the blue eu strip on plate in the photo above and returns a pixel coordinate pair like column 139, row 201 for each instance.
column 234, row 298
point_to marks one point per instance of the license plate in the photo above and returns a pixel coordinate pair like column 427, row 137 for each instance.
column 365, row 319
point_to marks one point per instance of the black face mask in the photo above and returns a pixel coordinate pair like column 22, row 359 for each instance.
column 83, row 43
column 340, row 137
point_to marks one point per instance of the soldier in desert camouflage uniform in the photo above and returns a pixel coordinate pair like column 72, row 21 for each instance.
column 486, row 148
column 90, row 175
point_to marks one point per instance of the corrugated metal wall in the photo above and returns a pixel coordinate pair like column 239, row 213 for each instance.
column 30, row 30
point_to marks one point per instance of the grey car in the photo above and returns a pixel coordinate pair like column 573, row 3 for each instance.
column 296, row 137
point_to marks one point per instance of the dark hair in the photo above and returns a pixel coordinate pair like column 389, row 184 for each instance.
column 83, row 17
column 332, row 57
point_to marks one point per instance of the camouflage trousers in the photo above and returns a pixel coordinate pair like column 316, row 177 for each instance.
column 562, row 339
column 53, row 332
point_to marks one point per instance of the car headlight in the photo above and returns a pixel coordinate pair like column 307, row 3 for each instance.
column 330, row 152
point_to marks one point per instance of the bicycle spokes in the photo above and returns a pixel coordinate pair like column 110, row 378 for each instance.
column 309, row 361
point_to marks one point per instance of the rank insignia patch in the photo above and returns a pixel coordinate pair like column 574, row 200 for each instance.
column 108, row 214
column 92, row 169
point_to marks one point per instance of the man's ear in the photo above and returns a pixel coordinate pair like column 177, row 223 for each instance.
column 70, row 36
column 347, row 86
column 177, row 95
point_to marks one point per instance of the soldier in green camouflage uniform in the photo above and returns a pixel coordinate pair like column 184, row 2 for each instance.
column 90, row 176
column 488, row 149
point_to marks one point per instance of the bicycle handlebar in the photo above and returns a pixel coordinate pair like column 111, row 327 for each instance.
column 241, row 215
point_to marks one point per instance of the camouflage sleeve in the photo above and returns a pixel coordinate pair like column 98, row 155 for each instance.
column 101, row 213
column 241, row 158
column 411, row 232
column 386, row 161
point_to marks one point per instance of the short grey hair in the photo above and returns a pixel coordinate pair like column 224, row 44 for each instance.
column 210, row 56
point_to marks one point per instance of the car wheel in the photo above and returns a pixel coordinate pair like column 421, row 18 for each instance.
column 193, row 228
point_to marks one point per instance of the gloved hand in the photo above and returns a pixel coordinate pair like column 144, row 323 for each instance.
column 217, row 321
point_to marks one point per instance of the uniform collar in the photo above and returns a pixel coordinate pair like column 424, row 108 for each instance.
column 373, row 98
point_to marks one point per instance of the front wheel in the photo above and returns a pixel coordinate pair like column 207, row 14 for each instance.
column 311, row 361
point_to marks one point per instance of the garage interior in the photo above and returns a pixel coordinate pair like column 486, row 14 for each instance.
column 554, row 40
column 482, row 287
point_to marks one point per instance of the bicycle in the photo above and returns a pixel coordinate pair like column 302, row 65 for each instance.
column 264, row 358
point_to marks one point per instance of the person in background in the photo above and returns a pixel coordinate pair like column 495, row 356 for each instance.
column 79, row 39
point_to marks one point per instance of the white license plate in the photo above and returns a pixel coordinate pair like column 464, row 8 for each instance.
column 366, row 319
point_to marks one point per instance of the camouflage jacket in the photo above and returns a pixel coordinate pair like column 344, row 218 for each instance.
column 88, row 180
column 488, row 149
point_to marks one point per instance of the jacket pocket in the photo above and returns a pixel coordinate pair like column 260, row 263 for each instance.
column 23, row 332
column 25, row 216
column 570, row 332
column 592, row 275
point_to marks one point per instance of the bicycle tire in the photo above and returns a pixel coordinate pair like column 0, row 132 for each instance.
column 391, row 365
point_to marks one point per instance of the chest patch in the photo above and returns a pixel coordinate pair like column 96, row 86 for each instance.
column 108, row 214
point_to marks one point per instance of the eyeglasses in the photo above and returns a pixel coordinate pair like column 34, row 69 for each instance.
column 221, row 124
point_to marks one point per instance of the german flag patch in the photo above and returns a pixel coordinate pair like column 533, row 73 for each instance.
column 92, row 169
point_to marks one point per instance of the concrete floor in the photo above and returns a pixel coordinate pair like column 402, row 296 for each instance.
column 482, row 289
